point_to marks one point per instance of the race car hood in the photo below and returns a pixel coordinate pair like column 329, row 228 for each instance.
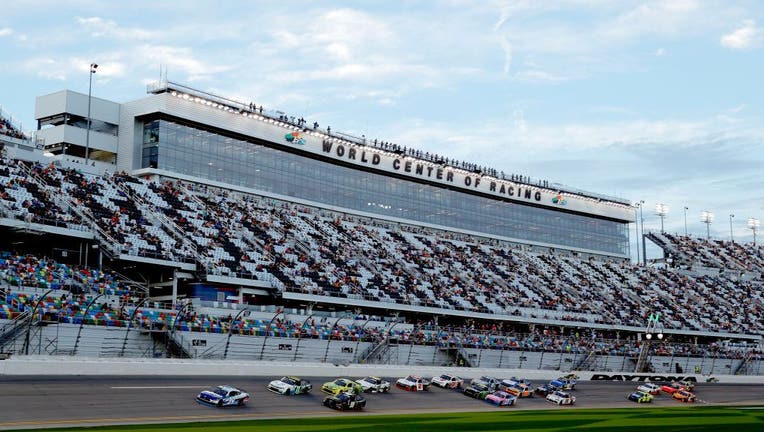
column 211, row 396
column 279, row 384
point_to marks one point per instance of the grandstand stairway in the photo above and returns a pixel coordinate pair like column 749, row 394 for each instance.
column 175, row 344
column 643, row 361
column 13, row 329
column 586, row 362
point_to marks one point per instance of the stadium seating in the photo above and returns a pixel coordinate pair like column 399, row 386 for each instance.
column 314, row 251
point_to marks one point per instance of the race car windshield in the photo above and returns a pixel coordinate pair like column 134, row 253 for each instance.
column 220, row 391
column 411, row 378
column 445, row 377
column 288, row 381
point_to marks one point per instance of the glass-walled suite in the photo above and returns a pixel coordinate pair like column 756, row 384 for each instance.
column 187, row 150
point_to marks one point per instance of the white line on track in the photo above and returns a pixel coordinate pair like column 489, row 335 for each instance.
column 154, row 387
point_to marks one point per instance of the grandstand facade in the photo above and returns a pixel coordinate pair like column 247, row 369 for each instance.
column 188, row 224
column 185, row 133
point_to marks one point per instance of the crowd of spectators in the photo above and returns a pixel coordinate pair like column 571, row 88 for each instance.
column 66, row 307
column 7, row 128
column 24, row 199
column 314, row 251
column 721, row 254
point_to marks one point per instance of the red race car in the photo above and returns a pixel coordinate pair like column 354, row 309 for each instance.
column 672, row 388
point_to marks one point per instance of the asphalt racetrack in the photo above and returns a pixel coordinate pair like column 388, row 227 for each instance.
column 34, row 402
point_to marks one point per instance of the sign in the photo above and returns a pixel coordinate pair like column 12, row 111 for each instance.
column 641, row 378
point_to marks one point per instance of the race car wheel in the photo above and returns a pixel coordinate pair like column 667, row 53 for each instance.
column 240, row 402
column 219, row 403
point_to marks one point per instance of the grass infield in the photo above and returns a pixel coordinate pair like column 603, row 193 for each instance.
column 717, row 419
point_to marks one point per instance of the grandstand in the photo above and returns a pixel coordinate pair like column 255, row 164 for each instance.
column 207, row 228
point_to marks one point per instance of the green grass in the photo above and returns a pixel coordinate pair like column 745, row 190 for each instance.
column 695, row 419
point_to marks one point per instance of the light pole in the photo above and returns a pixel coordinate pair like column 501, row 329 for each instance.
column 661, row 210
column 707, row 217
column 753, row 224
column 654, row 325
column 732, row 238
column 93, row 68
column 636, row 228
column 642, row 239
column 685, row 220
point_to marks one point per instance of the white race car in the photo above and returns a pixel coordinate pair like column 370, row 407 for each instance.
column 290, row 386
column 653, row 389
column 373, row 384
column 447, row 381
column 223, row 396
column 413, row 383
column 561, row 398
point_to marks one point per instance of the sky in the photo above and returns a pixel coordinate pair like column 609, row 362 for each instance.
column 654, row 101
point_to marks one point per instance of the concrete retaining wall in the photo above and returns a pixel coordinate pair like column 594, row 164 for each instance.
column 74, row 366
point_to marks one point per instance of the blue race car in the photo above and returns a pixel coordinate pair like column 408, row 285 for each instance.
column 223, row 396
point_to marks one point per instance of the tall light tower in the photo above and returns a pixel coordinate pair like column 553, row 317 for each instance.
column 636, row 227
column 732, row 238
column 661, row 210
column 685, row 220
column 753, row 224
column 642, row 238
column 93, row 68
column 707, row 217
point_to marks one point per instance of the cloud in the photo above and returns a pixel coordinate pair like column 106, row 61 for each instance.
column 99, row 27
column 746, row 37
column 660, row 52
column 6, row 31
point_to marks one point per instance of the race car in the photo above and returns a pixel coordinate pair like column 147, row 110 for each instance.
column 372, row 384
column 684, row 396
column 640, row 397
column 514, row 381
column 413, row 383
column 544, row 390
column 477, row 391
column 671, row 388
column 341, row 385
column 223, row 396
column 447, row 381
column 519, row 391
column 567, row 382
column 290, row 386
column 500, row 398
column 653, row 389
column 688, row 385
column 561, row 398
column 345, row 401
column 490, row 382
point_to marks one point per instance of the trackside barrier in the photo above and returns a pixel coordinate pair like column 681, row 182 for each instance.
column 72, row 366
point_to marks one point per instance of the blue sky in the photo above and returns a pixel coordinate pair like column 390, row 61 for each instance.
column 657, row 101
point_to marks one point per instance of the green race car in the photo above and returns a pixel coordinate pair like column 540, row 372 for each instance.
column 341, row 385
column 640, row 397
column 477, row 391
